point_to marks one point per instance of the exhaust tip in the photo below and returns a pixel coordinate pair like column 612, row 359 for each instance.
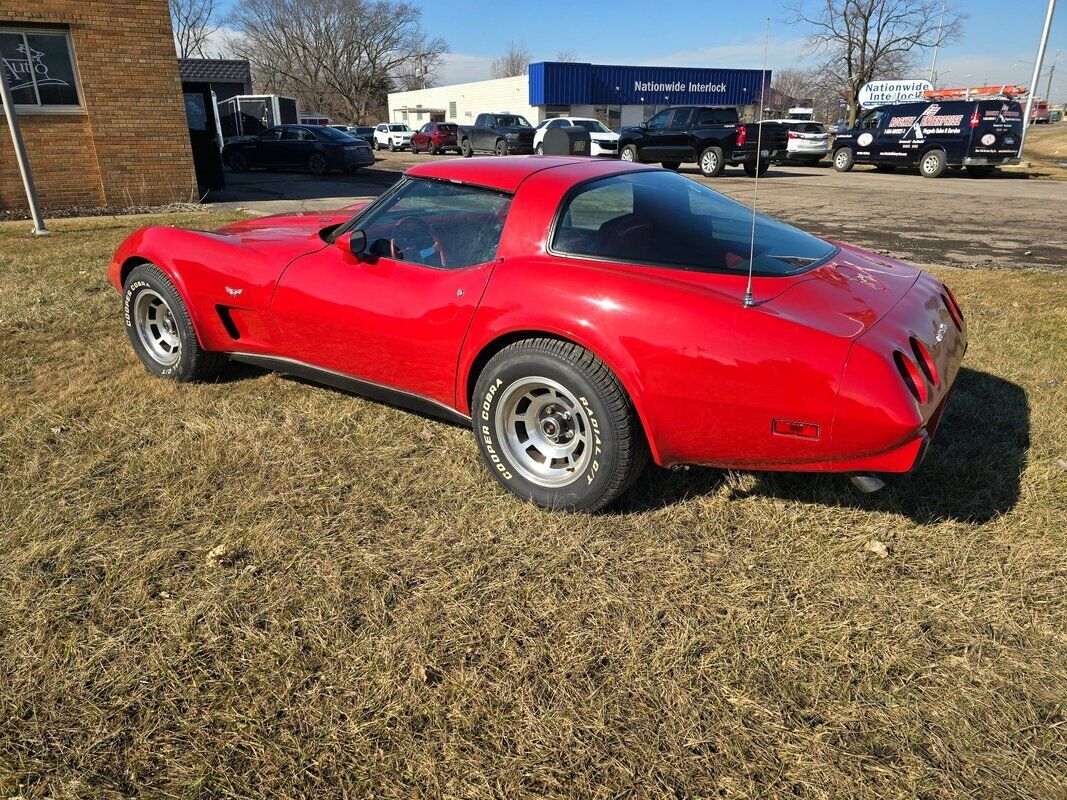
column 867, row 482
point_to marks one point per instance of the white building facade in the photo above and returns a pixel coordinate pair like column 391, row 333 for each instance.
column 616, row 95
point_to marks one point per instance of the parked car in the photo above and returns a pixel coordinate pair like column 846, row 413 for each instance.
column 500, row 134
column 529, row 298
column 436, row 137
column 711, row 136
column 807, row 142
column 394, row 135
column 364, row 132
column 317, row 148
column 934, row 135
column 1040, row 113
column 603, row 140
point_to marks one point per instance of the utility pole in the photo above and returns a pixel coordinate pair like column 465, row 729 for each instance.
column 937, row 44
column 1051, row 72
column 1037, row 73
column 39, row 228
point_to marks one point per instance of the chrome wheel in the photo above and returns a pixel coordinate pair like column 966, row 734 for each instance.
column 709, row 161
column 156, row 327
column 544, row 430
column 841, row 160
column 627, row 154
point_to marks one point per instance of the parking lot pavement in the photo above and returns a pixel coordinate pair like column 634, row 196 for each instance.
column 1005, row 222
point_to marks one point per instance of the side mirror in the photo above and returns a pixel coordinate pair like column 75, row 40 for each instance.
column 643, row 126
column 352, row 242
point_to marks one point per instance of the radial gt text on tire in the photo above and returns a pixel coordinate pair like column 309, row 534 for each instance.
column 932, row 164
column 711, row 163
column 160, row 329
column 556, row 427
column 843, row 159
column 629, row 153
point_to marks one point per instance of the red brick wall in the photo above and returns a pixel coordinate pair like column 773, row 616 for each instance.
column 131, row 143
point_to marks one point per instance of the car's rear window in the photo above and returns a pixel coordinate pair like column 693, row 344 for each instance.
column 446, row 127
column 661, row 218
column 808, row 127
column 332, row 133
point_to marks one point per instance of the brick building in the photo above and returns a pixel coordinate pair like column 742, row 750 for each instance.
column 96, row 87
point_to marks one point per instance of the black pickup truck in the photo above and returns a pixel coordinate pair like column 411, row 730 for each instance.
column 503, row 134
column 711, row 136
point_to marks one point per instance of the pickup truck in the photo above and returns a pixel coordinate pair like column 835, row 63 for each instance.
column 711, row 136
column 502, row 134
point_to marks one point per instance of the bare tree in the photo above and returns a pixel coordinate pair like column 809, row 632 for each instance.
column 864, row 40
column 194, row 22
column 338, row 57
column 567, row 55
column 789, row 84
column 515, row 61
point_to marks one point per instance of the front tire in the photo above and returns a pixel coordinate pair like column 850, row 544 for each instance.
column 392, row 146
column 540, row 150
column 161, row 331
column 238, row 162
column 434, row 150
column 629, row 153
column 556, row 427
column 501, row 148
column 844, row 160
column 711, row 163
column 933, row 164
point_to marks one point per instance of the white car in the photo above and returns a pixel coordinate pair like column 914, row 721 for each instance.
column 603, row 141
column 394, row 135
column 808, row 141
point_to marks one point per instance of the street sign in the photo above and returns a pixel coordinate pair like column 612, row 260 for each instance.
column 880, row 93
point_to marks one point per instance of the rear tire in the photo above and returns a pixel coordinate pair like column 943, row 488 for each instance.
column 433, row 149
column 161, row 330
column 711, row 163
column 238, row 162
column 465, row 148
column 844, row 160
column 754, row 168
column 584, row 445
column 932, row 164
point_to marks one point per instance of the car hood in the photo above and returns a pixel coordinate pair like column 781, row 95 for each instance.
column 284, row 236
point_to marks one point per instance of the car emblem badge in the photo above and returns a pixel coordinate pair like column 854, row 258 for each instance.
column 239, row 292
column 942, row 329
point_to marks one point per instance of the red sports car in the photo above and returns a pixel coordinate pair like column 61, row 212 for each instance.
column 583, row 316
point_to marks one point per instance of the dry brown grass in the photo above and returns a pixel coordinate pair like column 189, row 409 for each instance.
column 1046, row 151
column 262, row 588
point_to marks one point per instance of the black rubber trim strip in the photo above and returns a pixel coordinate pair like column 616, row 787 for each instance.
column 374, row 391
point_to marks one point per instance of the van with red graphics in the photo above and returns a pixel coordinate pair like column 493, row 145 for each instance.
column 934, row 135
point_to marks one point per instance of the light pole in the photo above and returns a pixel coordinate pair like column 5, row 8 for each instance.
column 1037, row 73
column 937, row 44
column 20, row 155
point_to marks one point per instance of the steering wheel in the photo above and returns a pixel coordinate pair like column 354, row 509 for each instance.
column 413, row 234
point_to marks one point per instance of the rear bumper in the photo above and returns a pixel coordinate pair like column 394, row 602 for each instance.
column 358, row 158
column 741, row 156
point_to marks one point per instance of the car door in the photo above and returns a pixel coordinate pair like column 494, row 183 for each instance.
column 674, row 139
column 396, row 315
column 653, row 146
column 267, row 148
column 297, row 145
column 868, row 133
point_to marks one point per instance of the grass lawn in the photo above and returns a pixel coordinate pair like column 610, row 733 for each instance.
column 263, row 588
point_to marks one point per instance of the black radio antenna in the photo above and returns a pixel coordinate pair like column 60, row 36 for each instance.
column 749, row 301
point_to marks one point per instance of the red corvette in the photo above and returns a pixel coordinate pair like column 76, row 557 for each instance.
column 581, row 315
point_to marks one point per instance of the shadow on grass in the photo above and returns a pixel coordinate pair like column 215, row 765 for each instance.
column 971, row 473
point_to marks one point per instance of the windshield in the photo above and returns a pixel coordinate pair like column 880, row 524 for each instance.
column 592, row 125
column 399, row 128
column 663, row 218
column 512, row 121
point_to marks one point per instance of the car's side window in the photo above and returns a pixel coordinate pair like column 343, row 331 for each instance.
column 871, row 120
column 273, row 135
column 661, row 119
column 438, row 224
column 425, row 128
column 681, row 117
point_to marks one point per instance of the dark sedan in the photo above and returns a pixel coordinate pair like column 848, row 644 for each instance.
column 316, row 148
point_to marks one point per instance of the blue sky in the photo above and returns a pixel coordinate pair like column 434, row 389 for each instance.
column 999, row 42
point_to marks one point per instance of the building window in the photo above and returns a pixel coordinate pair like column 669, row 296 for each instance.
column 404, row 116
column 40, row 68
column 557, row 111
column 609, row 115
column 451, row 109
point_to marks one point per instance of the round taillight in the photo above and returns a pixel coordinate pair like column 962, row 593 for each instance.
column 913, row 378
column 925, row 361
